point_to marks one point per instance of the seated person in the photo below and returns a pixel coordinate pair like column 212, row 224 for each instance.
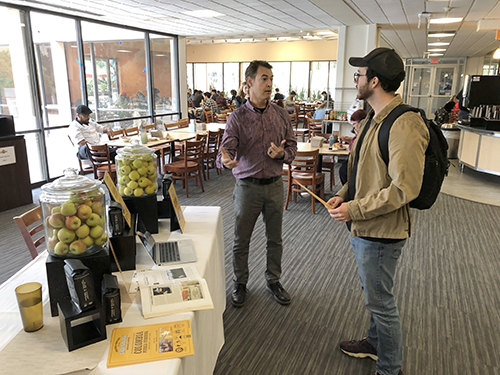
column 280, row 103
column 278, row 95
column 320, row 111
column 242, row 96
column 83, row 131
column 356, row 118
column 208, row 102
column 290, row 102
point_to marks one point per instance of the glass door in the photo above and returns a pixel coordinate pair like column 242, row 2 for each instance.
column 432, row 86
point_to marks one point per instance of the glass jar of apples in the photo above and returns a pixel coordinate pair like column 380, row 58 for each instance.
column 74, row 213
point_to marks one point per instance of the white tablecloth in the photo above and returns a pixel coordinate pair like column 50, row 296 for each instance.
column 44, row 351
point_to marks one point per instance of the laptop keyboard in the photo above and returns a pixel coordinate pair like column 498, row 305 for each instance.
column 169, row 252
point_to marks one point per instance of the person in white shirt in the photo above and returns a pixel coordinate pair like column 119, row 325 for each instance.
column 84, row 131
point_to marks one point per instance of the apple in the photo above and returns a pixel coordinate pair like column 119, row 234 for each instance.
column 134, row 175
column 124, row 180
column 66, row 235
column 137, row 163
column 87, row 202
column 68, row 209
column 143, row 170
column 73, row 222
column 51, row 244
column 151, row 169
column 83, row 231
column 121, row 189
column 88, row 241
column 77, row 247
column 98, row 208
column 128, row 191
column 93, row 220
column 61, row 248
column 96, row 231
column 152, row 177
column 98, row 197
column 55, row 209
column 149, row 190
column 138, row 192
column 133, row 185
column 143, row 182
column 101, row 240
column 84, row 211
column 125, row 169
column 57, row 220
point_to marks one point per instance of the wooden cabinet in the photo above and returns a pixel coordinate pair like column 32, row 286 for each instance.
column 480, row 150
column 15, row 177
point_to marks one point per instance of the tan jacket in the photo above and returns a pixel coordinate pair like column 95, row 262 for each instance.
column 380, row 207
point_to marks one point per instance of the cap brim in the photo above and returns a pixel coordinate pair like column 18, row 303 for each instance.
column 358, row 61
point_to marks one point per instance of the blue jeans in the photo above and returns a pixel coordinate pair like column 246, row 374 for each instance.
column 377, row 265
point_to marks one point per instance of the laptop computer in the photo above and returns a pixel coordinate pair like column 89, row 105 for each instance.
column 168, row 252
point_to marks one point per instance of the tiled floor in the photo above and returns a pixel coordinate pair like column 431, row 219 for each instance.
column 475, row 186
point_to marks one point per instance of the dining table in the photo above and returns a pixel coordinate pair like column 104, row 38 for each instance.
column 323, row 150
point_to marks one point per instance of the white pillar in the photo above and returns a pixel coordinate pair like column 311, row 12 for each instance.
column 183, row 75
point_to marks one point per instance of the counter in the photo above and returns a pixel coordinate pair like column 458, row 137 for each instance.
column 479, row 149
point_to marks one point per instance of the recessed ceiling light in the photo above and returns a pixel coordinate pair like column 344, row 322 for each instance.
column 440, row 35
column 203, row 13
column 446, row 20
column 435, row 54
column 123, row 50
column 439, row 44
column 160, row 55
column 437, row 50
column 325, row 33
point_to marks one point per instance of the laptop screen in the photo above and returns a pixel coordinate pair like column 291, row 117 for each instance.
column 148, row 241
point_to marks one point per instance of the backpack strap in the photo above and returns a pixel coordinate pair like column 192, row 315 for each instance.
column 385, row 129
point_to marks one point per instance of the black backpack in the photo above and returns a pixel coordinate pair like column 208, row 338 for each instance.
column 436, row 157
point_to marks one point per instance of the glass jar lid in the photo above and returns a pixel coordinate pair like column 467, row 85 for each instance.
column 135, row 150
column 70, row 183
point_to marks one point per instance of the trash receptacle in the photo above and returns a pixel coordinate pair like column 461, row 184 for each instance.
column 452, row 134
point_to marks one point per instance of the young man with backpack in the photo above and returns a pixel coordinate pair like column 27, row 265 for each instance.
column 375, row 202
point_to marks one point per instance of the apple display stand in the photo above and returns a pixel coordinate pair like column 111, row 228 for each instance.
column 98, row 263
column 124, row 247
column 147, row 210
column 80, row 329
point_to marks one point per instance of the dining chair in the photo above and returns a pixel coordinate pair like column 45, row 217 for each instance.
column 29, row 224
column 303, row 170
column 315, row 127
column 101, row 161
column 131, row 131
column 171, row 126
column 150, row 127
column 221, row 118
column 209, row 116
column 189, row 166
column 115, row 134
column 211, row 151
column 184, row 122
column 301, row 115
column 85, row 165
column 299, row 132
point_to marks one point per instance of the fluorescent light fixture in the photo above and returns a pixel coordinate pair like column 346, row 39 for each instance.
column 437, row 50
column 325, row 33
column 311, row 37
column 160, row 55
column 435, row 54
column 496, row 55
column 203, row 13
column 446, row 20
column 123, row 50
column 440, row 35
column 439, row 44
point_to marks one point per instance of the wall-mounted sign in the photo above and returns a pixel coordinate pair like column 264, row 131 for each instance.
column 7, row 155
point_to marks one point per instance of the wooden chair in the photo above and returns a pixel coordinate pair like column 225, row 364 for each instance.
column 85, row 165
column 131, row 131
column 315, row 127
column 150, row 126
column 299, row 132
column 303, row 170
column 171, row 126
column 226, row 111
column 190, row 166
column 211, row 151
column 221, row 119
column 115, row 134
column 184, row 122
column 209, row 116
column 101, row 161
column 301, row 115
column 33, row 219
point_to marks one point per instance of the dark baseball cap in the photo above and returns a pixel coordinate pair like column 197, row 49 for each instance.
column 385, row 61
column 83, row 110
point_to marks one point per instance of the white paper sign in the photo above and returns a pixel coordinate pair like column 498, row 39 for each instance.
column 7, row 155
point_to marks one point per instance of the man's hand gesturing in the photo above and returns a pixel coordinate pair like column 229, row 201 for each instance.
column 277, row 152
column 226, row 159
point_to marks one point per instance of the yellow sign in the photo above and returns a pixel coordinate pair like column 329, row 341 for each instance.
column 177, row 207
column 118, row 198
column 131, row 345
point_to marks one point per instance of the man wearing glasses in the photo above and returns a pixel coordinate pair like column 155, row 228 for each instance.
column 375, row 203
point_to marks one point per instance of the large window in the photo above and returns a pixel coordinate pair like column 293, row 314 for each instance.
column 164, row 74
column 319, row 78
column 214, row 76
column 190, row 78
column 300, row 79
column 115, row 71
column 281, row 73
column 231, row 77
column 200, row 77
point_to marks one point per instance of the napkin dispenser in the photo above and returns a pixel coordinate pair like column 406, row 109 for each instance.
column 317, row 142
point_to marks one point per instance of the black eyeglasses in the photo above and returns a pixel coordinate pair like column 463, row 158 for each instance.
column 357, row 75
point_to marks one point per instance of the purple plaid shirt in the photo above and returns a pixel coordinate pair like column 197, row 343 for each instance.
column 248, row 136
